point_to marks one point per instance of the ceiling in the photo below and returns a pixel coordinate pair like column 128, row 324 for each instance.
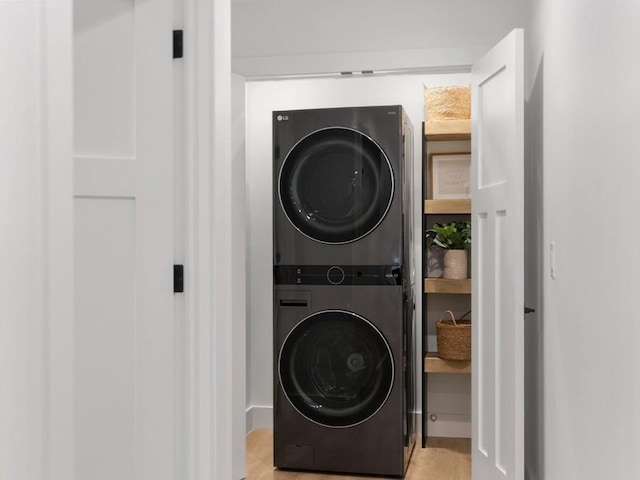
column 278, row 35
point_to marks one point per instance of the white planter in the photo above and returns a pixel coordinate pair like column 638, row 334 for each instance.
column 455, row 264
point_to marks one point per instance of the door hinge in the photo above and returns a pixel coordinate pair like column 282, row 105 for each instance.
column 177, row 44
column 178, row 278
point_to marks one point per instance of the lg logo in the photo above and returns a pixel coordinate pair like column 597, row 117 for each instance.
column 282, row 117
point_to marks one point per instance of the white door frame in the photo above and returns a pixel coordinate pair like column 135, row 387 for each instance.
column 37, row 412
column 214, row 260
column 58, row 164
column 36, row 241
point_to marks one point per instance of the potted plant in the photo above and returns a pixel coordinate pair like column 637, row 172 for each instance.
column 455, row 239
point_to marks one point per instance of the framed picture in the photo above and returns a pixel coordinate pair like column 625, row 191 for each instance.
column 449, row 175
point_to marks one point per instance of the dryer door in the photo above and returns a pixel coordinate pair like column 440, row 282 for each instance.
column 336, row 185
column 336, row 368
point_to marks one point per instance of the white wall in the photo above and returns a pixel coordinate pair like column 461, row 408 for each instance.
column 303, row 36
column 262, row 98
column 583, row 83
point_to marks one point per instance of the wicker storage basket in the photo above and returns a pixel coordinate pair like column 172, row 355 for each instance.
column 454, row 337
column 447, row 103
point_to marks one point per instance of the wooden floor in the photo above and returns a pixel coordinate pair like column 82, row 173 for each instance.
column 443, row 459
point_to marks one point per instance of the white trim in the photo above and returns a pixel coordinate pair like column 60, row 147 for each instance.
column 238, row 277
column 36, row 244
column 197, row 246
column 437, row 60
column 58, row 91
column 259, row 417
column 214, row 266
column 449, row 425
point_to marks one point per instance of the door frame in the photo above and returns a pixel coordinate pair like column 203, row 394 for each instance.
column 215, row 310
column 36, row 363
column 214, row 408
column 59, row 303
column 215, row 284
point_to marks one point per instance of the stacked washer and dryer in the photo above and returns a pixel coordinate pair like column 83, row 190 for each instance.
column 343, row 295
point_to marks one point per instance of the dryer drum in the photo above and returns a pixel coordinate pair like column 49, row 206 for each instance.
column 336, row 185
column 336, row 368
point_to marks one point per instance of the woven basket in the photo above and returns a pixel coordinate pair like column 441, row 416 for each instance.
column 454, row 337
column 447, row 103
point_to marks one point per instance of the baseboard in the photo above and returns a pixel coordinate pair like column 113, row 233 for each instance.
column 259, row 417
column 446, row 425
column 449, row 425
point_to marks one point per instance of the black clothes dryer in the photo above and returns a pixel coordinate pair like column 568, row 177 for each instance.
column 339, row 185
column 343, row 377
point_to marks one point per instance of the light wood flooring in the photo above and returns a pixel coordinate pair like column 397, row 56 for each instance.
column 443, row 459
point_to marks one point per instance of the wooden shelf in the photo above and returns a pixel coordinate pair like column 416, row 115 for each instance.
column 445, row 130
column 446, row 285
column 439, row 131
column 435, row 364
column 454, row 206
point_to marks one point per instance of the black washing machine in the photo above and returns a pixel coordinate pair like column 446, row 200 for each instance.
column 340, row 185
column 343, row 376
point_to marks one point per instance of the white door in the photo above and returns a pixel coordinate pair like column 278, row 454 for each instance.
column 123, row 147
column 498, row 262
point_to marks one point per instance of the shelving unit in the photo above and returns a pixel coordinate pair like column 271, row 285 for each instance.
column 444, row 285
column 445, row 130
column 449, row 130
column 435, row 364
column 461, row 206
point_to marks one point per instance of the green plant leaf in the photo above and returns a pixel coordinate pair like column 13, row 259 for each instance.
column 455, row 235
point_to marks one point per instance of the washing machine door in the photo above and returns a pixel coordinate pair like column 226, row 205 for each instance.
column 336, row 185
column 336, row 368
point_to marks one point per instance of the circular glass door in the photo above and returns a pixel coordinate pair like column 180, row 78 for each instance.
column 336, row 185
column 336, row 368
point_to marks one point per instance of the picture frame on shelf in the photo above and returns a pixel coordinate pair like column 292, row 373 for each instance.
column 449, row 175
